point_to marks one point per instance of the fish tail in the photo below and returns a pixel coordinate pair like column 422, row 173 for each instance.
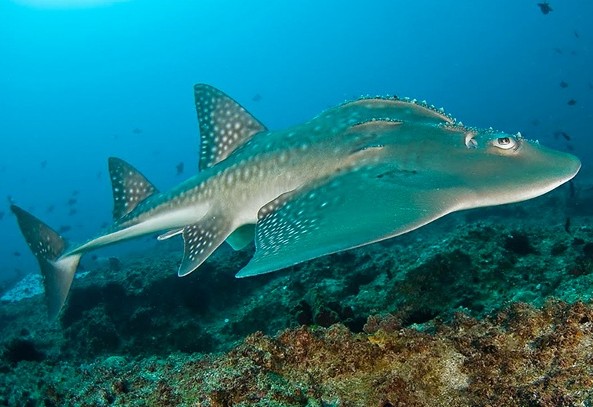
column 48, row 247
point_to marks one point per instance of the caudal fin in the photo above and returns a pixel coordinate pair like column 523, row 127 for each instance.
column 48, row 246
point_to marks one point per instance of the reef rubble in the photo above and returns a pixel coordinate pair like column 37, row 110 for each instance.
column 487, row 307
column 520, row 356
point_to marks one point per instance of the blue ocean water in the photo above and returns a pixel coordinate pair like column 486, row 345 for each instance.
column 82, row 81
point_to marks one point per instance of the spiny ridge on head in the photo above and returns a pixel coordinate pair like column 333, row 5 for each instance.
column 422, row 103
column 392, row 107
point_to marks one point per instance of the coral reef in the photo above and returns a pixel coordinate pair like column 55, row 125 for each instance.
column 456, row 313
column 521, row 356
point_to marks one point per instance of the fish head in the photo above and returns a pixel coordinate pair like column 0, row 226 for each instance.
column 503, row 168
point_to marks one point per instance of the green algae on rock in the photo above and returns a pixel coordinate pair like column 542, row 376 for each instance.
column 521, row 356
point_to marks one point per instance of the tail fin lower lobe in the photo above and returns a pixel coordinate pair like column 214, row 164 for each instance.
column 47, row 245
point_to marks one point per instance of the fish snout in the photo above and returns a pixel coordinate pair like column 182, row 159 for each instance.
column 563, row 166
column 545, row 169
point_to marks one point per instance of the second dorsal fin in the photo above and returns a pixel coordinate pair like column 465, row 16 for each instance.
column 224, row 125
column 129, row 186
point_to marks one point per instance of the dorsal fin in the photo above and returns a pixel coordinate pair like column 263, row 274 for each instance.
column 129, row 187
column 224, row 125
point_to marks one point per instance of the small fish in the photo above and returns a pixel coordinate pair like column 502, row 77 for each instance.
column 179, row 167
column 99, row 174
column 563, row 84
column 563, row 134
column 72, row 201
column 576, row 34
column 64, row 228
column 571, row 102
column 72, row 212
column 16, row 254
column 50, row 209
column 545, row 7
column 256, row 98
column 535, row 122
column 136, row 130
column 43, row 163
column 558, row 51
column 1, row 214
column 567, row 225
column 75, row 192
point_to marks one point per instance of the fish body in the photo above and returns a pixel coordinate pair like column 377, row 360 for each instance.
column 545, row 7
column 358, row 173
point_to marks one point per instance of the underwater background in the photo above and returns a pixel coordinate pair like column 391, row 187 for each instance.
column 83, row 80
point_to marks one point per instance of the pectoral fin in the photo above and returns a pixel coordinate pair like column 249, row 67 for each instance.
column 351, row 210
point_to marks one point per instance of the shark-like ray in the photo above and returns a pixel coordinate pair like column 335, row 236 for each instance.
column 358, row 173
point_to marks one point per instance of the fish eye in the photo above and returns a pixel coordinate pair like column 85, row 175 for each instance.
column 506, row 143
